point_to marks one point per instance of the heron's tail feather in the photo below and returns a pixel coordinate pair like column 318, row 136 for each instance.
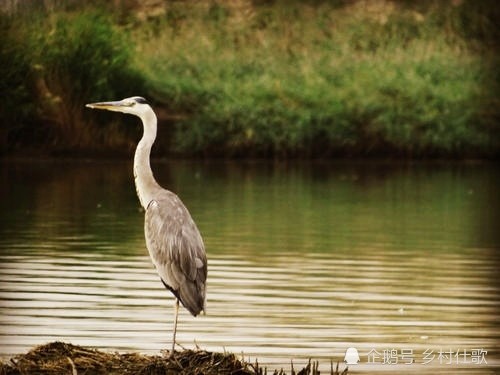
column 190, row 295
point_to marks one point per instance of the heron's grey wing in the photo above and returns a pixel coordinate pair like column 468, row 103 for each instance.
column 177, row 250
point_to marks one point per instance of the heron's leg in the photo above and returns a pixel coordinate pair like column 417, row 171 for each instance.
column 176, row 309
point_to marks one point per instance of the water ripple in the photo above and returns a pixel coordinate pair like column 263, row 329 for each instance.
column 311, row 277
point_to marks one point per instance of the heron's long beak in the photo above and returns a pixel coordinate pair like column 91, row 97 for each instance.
column 110, row 106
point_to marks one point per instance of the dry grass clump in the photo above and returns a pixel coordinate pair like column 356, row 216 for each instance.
column 62, row 358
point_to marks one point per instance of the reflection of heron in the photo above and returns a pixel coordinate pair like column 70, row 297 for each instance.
column 172, row 238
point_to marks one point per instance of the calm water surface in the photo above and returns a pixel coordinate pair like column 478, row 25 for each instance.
column 399, row 261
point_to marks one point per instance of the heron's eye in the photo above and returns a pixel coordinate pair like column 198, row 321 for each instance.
column 141, row 100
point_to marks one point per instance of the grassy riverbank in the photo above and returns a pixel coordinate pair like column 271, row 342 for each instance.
column 285, row 79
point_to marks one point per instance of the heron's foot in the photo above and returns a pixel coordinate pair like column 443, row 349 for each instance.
column 171, row 353
column 168, row 353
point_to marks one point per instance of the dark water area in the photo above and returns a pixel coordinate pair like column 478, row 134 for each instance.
column 306, row 260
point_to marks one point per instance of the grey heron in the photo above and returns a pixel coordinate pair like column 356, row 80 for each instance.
column 172, row 237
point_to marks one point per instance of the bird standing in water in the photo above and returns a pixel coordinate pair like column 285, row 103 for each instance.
column 172, row 237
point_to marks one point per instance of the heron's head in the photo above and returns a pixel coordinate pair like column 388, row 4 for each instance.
column 135, row 105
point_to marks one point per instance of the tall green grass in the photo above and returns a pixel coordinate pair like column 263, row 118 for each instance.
column 297, row 79
column 52, row 65
column 279, row 78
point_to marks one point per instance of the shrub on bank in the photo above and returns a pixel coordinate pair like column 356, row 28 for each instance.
column 54, row 64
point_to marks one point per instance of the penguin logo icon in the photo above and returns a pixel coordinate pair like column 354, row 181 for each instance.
column 351, row 356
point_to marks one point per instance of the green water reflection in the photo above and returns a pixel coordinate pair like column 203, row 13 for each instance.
column 261, row 207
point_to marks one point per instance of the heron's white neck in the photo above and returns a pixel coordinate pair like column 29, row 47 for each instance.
column 145, row 183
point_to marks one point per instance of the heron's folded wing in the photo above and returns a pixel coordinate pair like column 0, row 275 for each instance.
column 177, row 250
